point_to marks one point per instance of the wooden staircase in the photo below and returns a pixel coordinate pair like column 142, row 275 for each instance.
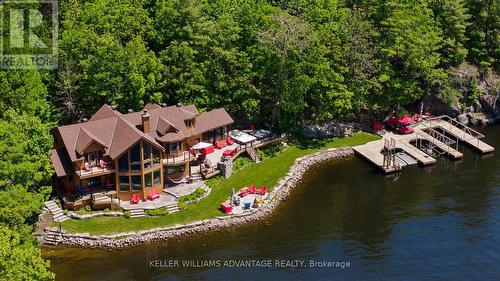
column 137, row 213
column 52, row 237
column 57, row 212
column 173, row 208
column 252, row 153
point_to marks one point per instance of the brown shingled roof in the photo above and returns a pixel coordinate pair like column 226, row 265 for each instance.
column 212, row 119
column 61, row 162
column 117, row 132
column 151, row 106
column 104, row 112
column 84, row 139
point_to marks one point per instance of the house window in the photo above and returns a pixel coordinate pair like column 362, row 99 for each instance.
column 93, row 157
column 148, row 180
column 189, row 123
column 94, row 182
column 124, row 183
column 156, row 177
column 136, row 183
column 123, row 163
column 147, row 151
column 175, row 148
column 174, row 170
column 156, row 157
column 135, row 167
column 135, row 154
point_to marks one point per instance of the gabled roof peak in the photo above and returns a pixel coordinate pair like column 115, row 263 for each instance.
column 104, row 112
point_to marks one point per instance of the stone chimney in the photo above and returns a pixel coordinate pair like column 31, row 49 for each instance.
column 145, row 121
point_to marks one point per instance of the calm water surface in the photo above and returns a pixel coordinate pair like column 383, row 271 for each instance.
column 435, row 223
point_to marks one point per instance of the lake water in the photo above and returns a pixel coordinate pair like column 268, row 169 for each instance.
column 434, row 223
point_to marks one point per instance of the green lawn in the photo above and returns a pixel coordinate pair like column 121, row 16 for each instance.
column 267, row 173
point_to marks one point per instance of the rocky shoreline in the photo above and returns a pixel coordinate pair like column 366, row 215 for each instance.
column 279, row 193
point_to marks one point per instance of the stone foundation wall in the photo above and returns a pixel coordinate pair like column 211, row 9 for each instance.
column 280, row 192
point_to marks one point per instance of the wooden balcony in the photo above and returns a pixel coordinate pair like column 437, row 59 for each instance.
column 95, row 171
column 180, row 158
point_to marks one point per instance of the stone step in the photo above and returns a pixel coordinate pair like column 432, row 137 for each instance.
column 65, row 218
column 137, row 213
column 58, row 216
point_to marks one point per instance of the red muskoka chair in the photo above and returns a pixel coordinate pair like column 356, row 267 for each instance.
column 135, row 199
column 252, row 189
column 244, row 192
column 218, row 145
column 229, row 141
column 262, row 190
column 153, row 195
column 87, row 166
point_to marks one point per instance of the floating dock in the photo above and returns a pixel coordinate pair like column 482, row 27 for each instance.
column 430, row 138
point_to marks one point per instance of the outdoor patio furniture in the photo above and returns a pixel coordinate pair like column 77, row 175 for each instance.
column 258, row 201
column 405, row 130
column 207, row 150
column 236, row 201
column 247, row 205
column 226, row 208
column 262, row 190
column 252, row 189
column 244, row 192
column 102, row 164
column 135, row 199
column 229, row 141
column 153, row 195
column 87, row 166
column 405, row 120
column 228, row 152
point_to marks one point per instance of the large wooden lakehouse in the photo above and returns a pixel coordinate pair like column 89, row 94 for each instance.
column 131, row 153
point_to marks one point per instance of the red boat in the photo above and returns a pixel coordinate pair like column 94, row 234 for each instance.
column 405, row 130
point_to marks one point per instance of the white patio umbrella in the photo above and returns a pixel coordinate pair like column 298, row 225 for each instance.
column 201, row 145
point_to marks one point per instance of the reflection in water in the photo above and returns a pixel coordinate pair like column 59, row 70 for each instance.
column 439, row 222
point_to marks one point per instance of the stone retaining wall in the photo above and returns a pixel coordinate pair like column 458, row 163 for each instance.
column 280, row 192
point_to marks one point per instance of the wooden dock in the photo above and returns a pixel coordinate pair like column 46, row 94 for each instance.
column 438, row 133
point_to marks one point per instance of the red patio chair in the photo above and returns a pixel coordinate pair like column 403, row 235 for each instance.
column 153, row 195
column 229, row 140
column 262, row 190
column 252, row 189
column 244, row 192
column 218, row 145
column 87, row 167
column 135, row 199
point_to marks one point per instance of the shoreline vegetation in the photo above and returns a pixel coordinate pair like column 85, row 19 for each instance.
column 270, row 172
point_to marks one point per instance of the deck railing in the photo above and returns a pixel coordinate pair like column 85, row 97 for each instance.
column 95, row 170
column 464, row 128
column 184, row 156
